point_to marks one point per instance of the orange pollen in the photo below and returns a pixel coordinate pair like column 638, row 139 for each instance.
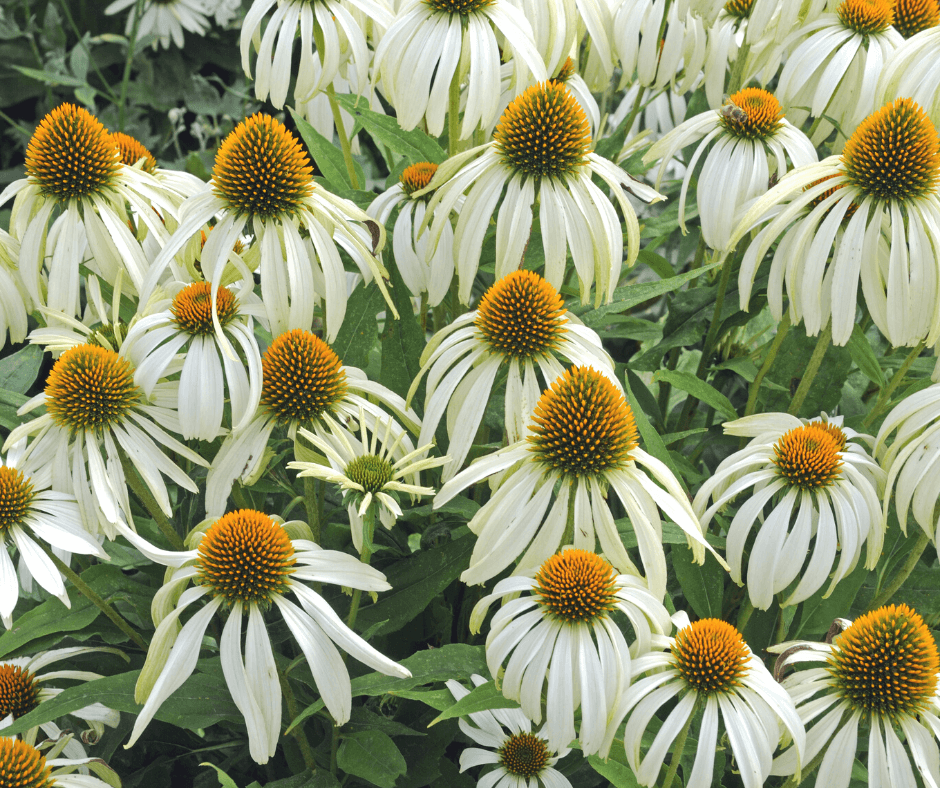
column 886, row 663
column 23, row 766
column 582, row 425
column 19, row 691
column 416, row 177
column 302, row 377
column 808, row 456
column 132, row 151
column 521, row 316
column 912, row 16
column 576, row 585
column 245, row 556
column 16, row 497
column 739, row 8
column 566, row 72
column 192, row 308
column 752, row 113
column 710, row 655
column 524, row 754
column 866, row 17
column 71, row 154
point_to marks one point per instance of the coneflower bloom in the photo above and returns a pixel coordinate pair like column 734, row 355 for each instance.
column 521, row 323
column 913, row 460
column 881, row 672
column 371, row 473
column 425, row 268
column 134, row 153
column 522, row 759
column 781, row 18
column 870, row 214
column 914, row 16
column 263, row 180
column 541, row 151
column 444, row 37
column 582, row 441
column 341, row 36
column 742, row 145
column 707, row 667
column 165, row 19
column 244, row 563
column 724, row 35
column 73, row 167
column 841, row 49
column 97, row 418
column 21, row 764
column 799, row 479
column 914, row 70
column 560, row 632
column 210, row 365
column 24, row 688
column 29, row 510
column 303, row 380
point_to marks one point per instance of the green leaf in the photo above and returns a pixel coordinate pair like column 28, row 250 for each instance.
column 702, row 584
column 224, row 780
column 328, row 158
column 788, row 370
column 651, row 440
column 436, row 699
column 19, row 371
column 403, row 340
column 414, row 145
column 860, row 350
column 357, row 335
column 306, row 779
column 619, row 774
column 372, row 756
column 416, row 582
column 698, row 389
column 12, row 398
column 629, row 296
column 49, row 77
column 483, row 698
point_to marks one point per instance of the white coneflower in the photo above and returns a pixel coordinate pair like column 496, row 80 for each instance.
column 541, row 151
column 522, row 759
column 165, row 19
column 447, row 37
column 209, row 366
column 582, row 443
column 327, row 21
column 302, row 381
column 914, row 70
column 97, row 418
column 425, row 268
column 742, row 145
column 73, row 167
column 244, row 563
column 869, row 215
column 29, row 510
column 21, row 764
column 561, row 634
column 800, row 479
column 14, row 302
column 781, row 17
column 521, row 322
column 723, row 49
column 370, row 473
column 263, row 180
column 707, row 667
column 880, row 673
column 835, row 69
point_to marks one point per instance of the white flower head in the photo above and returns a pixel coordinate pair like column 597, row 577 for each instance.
column 23, row 764
column 582, row 442
column 560, row 633
column 520, row 757
column 812, row 491
column 541, row 151
column 914, row 70
column 707, row 667
column 880, row 672
column 30, row 511
column 742, row 146
column 246, row 562
column 869, row 217
column 165, row 19
column 521, row 322
column 369, row 472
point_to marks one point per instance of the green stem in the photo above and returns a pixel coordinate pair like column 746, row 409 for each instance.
column 568, row 536
column 699, row 254
column 343, row 137
column 800, row 777
column 368, row 531
column 66, row 571
column 812, row 129
column 453, row 114
column 635, row 109
column 737, row 75
column 815, row 361
column 310, row 503
column 917, row 550
column 677, row 749
column 131, row 46
column 84, row 45
column 306, row 751
column 150, row 504
column 782, row 328
column 744, row 615
column 885, row 396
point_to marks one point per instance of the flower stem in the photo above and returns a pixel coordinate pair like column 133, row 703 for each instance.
column 453, row 114
column 150, row 504
column 368, row 529
column 343, row 137
column 815, row 361
column 677, row 749
column 635, row 109
column 131, row 46
column 744, row 614
column 737, row 75
column 885, row 396
column 782, row 328
column 306, row 751
column 917, row 550
column 801, row 776
column 89, row 593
